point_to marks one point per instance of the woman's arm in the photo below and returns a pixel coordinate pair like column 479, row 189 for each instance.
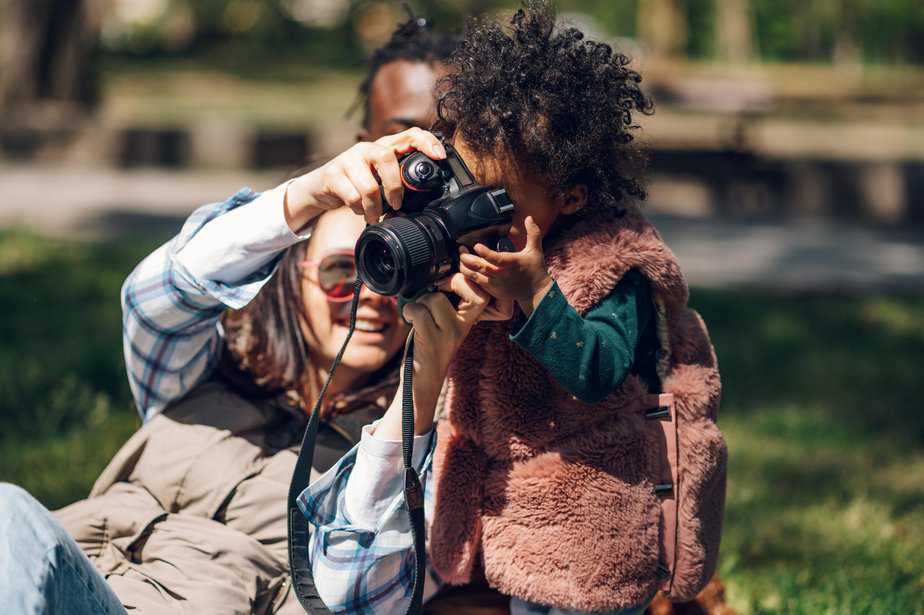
column 361, row 548
column 173, row 299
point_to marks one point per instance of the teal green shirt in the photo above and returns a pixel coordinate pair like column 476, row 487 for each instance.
column 591, row 356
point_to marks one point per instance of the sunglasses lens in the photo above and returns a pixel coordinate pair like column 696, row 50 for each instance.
column 336, row 275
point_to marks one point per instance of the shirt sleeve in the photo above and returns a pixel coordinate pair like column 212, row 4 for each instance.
column 361, row 547
column 590, row 356
column 172, row 301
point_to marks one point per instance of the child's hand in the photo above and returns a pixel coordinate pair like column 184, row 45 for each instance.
column 517, row 276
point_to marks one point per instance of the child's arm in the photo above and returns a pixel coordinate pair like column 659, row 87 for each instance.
column 590, row 356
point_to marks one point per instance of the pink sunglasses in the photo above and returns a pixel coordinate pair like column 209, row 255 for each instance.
column 336, row 274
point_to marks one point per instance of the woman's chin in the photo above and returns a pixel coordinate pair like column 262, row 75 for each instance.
column 365, row 358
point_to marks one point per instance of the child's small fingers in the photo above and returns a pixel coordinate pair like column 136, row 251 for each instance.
column 533, row 233
column 476, row 277
column 495, row 258
column 484, row 251
column 478, row 264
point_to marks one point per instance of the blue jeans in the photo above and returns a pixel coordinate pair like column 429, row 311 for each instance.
column 42, row 570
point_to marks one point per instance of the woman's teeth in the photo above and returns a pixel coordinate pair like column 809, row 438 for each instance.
column 369, row 327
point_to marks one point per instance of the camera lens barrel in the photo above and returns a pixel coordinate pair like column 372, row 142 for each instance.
column 401, row 254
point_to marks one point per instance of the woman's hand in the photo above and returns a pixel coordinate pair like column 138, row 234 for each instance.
column 352, row 178
column 439, row 330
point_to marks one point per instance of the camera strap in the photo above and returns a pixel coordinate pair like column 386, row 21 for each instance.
column 298, row 540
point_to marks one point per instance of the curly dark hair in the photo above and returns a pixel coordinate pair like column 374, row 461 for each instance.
column 558, row 104
column 413, row 40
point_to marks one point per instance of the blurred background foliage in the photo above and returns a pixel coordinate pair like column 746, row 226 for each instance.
column 784, row 111
column 340, row 32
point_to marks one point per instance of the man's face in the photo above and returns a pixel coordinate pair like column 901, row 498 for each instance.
column 401, row 96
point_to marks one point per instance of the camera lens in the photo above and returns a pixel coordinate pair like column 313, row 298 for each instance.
column 396, row 256
column 378, row 263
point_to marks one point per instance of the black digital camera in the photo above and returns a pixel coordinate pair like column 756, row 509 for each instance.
column 443, row 208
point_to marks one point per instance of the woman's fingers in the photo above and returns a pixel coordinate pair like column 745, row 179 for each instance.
column 441, row 310
column 414, row 139
column 360, row 175
column 472, row 296
column 342, row 189
column 419, row 315
column 385, row 163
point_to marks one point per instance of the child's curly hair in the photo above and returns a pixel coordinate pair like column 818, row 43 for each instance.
column 559, row 104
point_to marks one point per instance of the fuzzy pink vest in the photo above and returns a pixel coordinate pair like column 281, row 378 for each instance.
column 585, row 506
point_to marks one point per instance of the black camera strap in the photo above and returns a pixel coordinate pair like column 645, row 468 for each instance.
column 299, row 561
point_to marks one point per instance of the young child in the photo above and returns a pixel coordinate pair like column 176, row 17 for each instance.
column 578, row 466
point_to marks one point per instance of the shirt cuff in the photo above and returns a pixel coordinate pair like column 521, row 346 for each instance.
column 533, row 334
column 234, row 245
column 378, row 475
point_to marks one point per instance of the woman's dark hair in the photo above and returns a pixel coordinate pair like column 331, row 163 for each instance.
column 412, row 40
column 265, row 339
column 558, row 104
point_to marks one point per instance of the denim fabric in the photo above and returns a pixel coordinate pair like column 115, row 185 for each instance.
column 42, row 570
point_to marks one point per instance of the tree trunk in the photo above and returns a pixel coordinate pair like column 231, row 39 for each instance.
column 47, row 53
column 662, row 27
column 733, row 33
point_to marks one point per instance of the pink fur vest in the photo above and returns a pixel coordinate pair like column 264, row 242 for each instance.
column 581, row 506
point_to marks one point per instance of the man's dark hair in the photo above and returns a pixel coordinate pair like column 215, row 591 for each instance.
column 556, row 103
column 413, row 40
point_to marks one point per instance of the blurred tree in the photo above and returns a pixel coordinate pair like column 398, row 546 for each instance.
column 733, row 37
column 662, row 27
column 47, row 53
column 700, row 16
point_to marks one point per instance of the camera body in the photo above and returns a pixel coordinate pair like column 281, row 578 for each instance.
column 443, row 208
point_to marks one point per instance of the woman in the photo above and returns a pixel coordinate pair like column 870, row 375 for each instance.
column 190, row 512
column 237, row 392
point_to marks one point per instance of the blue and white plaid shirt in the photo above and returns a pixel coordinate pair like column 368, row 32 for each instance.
column 171, row 305
column 172, row 301
column 361, row 547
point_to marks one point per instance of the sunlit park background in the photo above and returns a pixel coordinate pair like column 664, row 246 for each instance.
column 787, row 171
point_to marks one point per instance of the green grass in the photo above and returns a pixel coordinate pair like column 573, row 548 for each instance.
column 822, row 411
column 65, row 406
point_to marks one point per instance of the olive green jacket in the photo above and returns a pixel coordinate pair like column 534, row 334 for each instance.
column 189, row 516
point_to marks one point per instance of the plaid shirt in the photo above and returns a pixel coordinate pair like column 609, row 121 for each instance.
column 358, row 568
column 171, row 333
